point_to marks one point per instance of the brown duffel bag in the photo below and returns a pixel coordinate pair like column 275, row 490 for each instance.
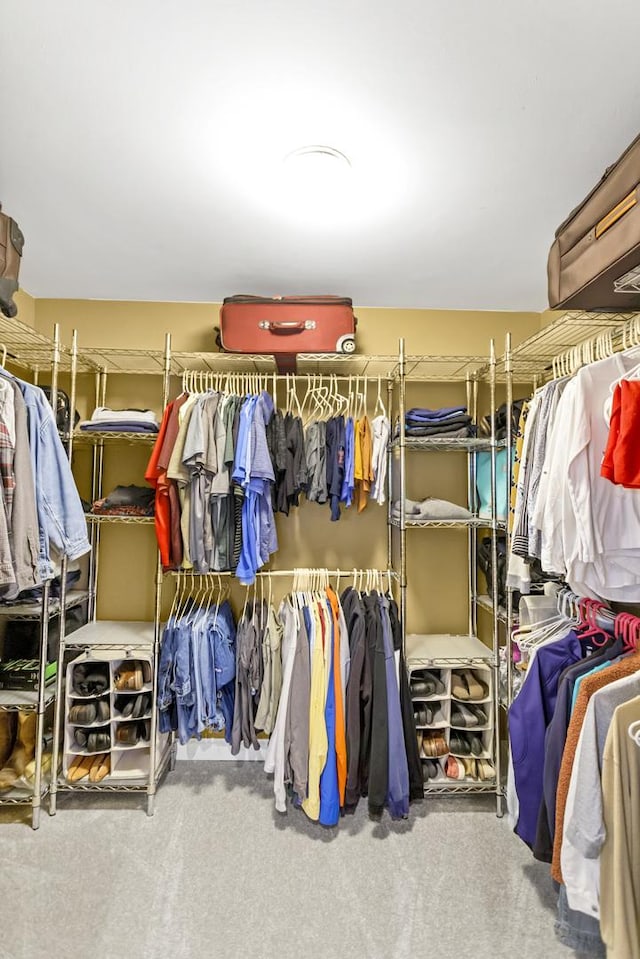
column 11, row 243
column 599, row 244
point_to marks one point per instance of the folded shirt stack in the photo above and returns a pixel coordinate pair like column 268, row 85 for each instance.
column 121, row 421
column 126, row 501
column 429, row 508
column 450, row 422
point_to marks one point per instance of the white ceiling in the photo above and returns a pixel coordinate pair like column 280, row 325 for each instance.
column 142, row 140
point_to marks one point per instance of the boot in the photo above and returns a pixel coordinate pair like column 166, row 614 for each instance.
column 11, row 245
column 24, row 750
column 7, row 735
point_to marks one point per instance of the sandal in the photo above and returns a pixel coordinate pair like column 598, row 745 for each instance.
column 479, row 713
column 463, row 716
column 477, row 690
column 79, row 768
column 98, row 742
column 486, row 772
column 454, row 769
column 470, row 768
column 82, row 713
column 434, row 745
column 129, row 676
column 100, row 768
column 144, row 730
column 459, row 744
column 430, row 769
column 127, row 734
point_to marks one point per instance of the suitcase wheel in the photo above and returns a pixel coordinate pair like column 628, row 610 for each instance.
column 346, row 344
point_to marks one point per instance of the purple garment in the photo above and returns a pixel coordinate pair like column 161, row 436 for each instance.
column 398, row 784
column 335, row 463
column 329, row 790
column 529, row 717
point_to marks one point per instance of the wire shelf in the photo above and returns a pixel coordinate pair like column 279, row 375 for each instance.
column 342, row 363
column 459, row 786
column 135, row 520
column 534, row 356
column 93, row 437
column 474, row 522
column 25, row 611
column 25, row 700
column 629, row 283
column 437, row 369
column 485, row 602
column 465, row 444
column 22, row 796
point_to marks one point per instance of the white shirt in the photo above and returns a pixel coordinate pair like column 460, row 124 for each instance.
column 275, row 759
column 380, row 429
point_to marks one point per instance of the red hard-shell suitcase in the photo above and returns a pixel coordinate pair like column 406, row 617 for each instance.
column 287, row 325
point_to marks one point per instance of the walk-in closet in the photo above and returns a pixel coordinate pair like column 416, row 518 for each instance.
column 319, row 480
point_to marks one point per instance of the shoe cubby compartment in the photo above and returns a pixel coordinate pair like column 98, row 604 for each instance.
column 88, row 679
column 129, row 763
column 434, row 714
column 439, row 777
column 479, row 674
column 485, row 737
column 419, row 675
column 460, row 714
column 78, row 708
column 138, row 670
column 125, row 705
column 433, row 734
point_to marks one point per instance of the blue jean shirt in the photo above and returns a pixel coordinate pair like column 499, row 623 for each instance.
column 60, row 514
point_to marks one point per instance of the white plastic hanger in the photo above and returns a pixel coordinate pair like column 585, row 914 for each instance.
column 380, row 407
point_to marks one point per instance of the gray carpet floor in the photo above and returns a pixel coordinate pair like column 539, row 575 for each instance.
column 218, row 873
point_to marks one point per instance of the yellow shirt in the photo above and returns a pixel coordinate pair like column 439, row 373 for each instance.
column 318, row 742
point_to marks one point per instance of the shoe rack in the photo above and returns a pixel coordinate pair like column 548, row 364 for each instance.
column 441, row 735
column 114, row 651
column 25, row 714
column 447, row 654
column 111, row 724
column 133, row 767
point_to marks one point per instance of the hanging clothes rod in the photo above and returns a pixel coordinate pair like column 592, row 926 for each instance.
column 286, row 572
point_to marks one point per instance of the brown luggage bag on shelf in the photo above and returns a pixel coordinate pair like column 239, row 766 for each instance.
column 11, row 244
column 596, row 252
column 286, row 326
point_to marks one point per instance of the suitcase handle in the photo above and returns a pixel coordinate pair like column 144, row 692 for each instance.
column 286, row 326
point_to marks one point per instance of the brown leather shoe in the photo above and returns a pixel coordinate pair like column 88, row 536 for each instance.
column 80, row 768
column 7, row 735
column 101, row 767
column 129, row 676
column 24, row 749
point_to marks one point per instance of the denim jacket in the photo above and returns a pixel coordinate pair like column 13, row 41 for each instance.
column 196, row 672
column 60, row 515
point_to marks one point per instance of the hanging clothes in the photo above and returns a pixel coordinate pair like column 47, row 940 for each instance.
column 196, row 671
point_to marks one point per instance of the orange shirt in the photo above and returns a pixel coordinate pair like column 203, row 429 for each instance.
column 157, row 478
column 363, row 466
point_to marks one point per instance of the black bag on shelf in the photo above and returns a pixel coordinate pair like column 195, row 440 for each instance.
column 22, row 638
column 63, row 410
column 538, row 575
column 501, row 421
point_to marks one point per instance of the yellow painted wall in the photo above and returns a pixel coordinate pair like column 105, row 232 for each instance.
column 437, row 559
column 26, row 307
